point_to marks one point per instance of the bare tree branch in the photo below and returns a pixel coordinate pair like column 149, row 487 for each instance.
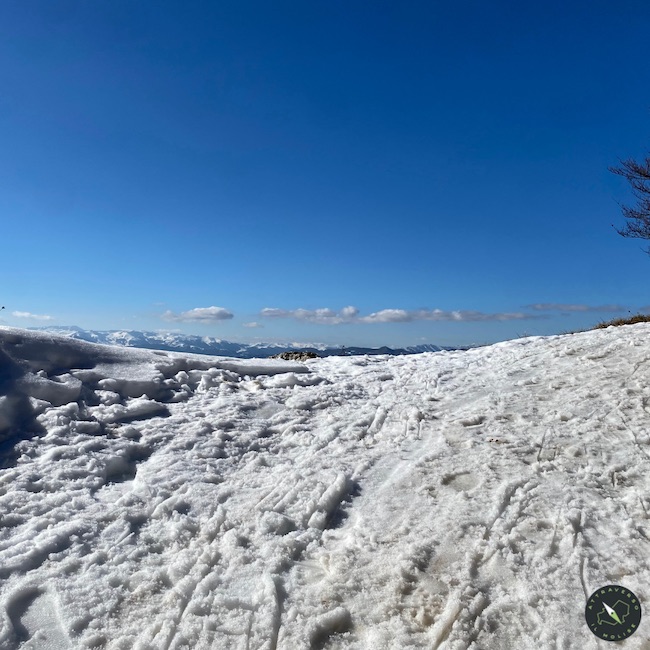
column 638, row 217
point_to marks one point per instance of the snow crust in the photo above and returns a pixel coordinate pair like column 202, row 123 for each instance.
column 448, row 500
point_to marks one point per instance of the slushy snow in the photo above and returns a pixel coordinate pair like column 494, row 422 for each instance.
column 448, row 500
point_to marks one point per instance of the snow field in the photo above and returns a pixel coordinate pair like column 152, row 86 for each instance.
column 448, row 500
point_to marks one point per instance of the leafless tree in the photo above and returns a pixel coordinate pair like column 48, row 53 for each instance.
column 638, row 217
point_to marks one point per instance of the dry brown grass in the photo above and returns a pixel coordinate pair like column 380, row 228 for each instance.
column 638, row 318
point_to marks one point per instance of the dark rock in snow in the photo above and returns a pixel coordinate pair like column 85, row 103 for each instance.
column 296, row 356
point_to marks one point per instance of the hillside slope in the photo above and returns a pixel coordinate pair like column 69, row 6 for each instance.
column 446, row 500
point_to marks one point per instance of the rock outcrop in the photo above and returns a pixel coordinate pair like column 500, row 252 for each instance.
column 295, row 356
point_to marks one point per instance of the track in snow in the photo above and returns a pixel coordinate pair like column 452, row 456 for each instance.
column 450, row 500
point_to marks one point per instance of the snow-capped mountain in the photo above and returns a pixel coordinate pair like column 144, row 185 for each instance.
column 176, row 342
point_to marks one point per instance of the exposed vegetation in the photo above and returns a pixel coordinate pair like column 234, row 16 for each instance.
column 631, row 320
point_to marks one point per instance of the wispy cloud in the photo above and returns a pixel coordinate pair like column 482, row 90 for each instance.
column 253, row 325
column 26, row 314
column 404, row 316
column 350, row 315
column 199, row 314
column 320, row 316
column 554, row 306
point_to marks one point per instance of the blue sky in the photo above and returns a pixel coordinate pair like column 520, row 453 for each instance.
column 346, row 172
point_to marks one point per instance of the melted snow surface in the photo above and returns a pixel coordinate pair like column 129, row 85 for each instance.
column 448, row 500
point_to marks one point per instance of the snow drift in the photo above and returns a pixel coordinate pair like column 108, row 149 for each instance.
column 445, row 500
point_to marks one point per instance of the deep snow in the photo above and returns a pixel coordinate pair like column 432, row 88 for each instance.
column 446, row 500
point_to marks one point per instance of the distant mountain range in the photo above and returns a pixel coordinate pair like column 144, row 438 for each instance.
column 175, row 342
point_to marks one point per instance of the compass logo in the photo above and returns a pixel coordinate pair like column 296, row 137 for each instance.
column 613, row 613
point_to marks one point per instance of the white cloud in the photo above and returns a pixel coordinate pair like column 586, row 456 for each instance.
column 388, row 316
column 272, row 312
column 253, row 325
column 404, row 316
column 26, row 314
column 351, row 315
column 554, row 306
column 349, row 312
column 199, row 314
column 320, row 316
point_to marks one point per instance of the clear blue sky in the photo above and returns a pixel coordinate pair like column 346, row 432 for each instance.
column 438, row 169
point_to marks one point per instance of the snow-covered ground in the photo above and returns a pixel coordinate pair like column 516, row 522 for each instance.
column 448, row 500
